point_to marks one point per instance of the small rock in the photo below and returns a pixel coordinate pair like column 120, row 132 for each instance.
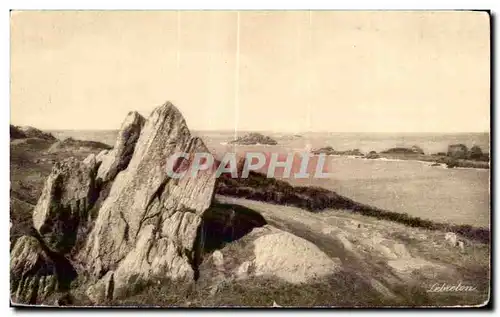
column 276, row 305
column 64, row 300
column 451, row 238
column 345, row 242
column 401, row 251
column 242, row 271
column 218, row 258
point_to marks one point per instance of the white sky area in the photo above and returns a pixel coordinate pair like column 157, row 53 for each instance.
column 290, row 71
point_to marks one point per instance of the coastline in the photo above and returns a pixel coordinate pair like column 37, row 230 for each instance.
column 426, row 159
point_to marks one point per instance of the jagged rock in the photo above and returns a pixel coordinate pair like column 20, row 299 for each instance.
column 32, row 272
column 69, row 192
column 90, row 160
column 101, row 155
column 118, row 158
column 148, row 224
column 218, row 259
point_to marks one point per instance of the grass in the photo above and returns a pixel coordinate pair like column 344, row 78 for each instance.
column 343, row 289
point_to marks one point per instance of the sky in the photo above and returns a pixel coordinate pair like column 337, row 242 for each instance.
column 287, row 71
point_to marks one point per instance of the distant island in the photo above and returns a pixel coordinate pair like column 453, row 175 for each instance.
column 254, row 139
column 330, row 151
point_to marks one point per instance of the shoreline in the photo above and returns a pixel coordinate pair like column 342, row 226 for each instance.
column 428, row 160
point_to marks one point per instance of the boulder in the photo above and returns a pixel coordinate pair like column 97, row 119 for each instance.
column 147, row 226
column 117, row 159
column 32, row 272
column 291, row 258
column 69, row 192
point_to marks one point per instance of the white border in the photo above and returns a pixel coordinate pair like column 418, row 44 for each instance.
column 190, row 5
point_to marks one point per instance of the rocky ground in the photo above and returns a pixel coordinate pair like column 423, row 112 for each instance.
column 98, row 226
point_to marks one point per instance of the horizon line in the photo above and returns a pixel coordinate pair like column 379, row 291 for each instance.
column 286, row 132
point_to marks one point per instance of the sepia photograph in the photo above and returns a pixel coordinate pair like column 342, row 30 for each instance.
column 257, row 159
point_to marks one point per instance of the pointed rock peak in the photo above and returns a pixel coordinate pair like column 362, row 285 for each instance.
column 133, row 118
column 167, row 110
column 168, row 107
column 118, row 158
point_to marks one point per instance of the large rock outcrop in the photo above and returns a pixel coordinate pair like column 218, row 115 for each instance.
column 63, row 217
column 148, row 225
column 69, row 192
column 119, row 216
column 117, row 159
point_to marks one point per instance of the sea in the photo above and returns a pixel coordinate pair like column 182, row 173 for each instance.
column 457, row 196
